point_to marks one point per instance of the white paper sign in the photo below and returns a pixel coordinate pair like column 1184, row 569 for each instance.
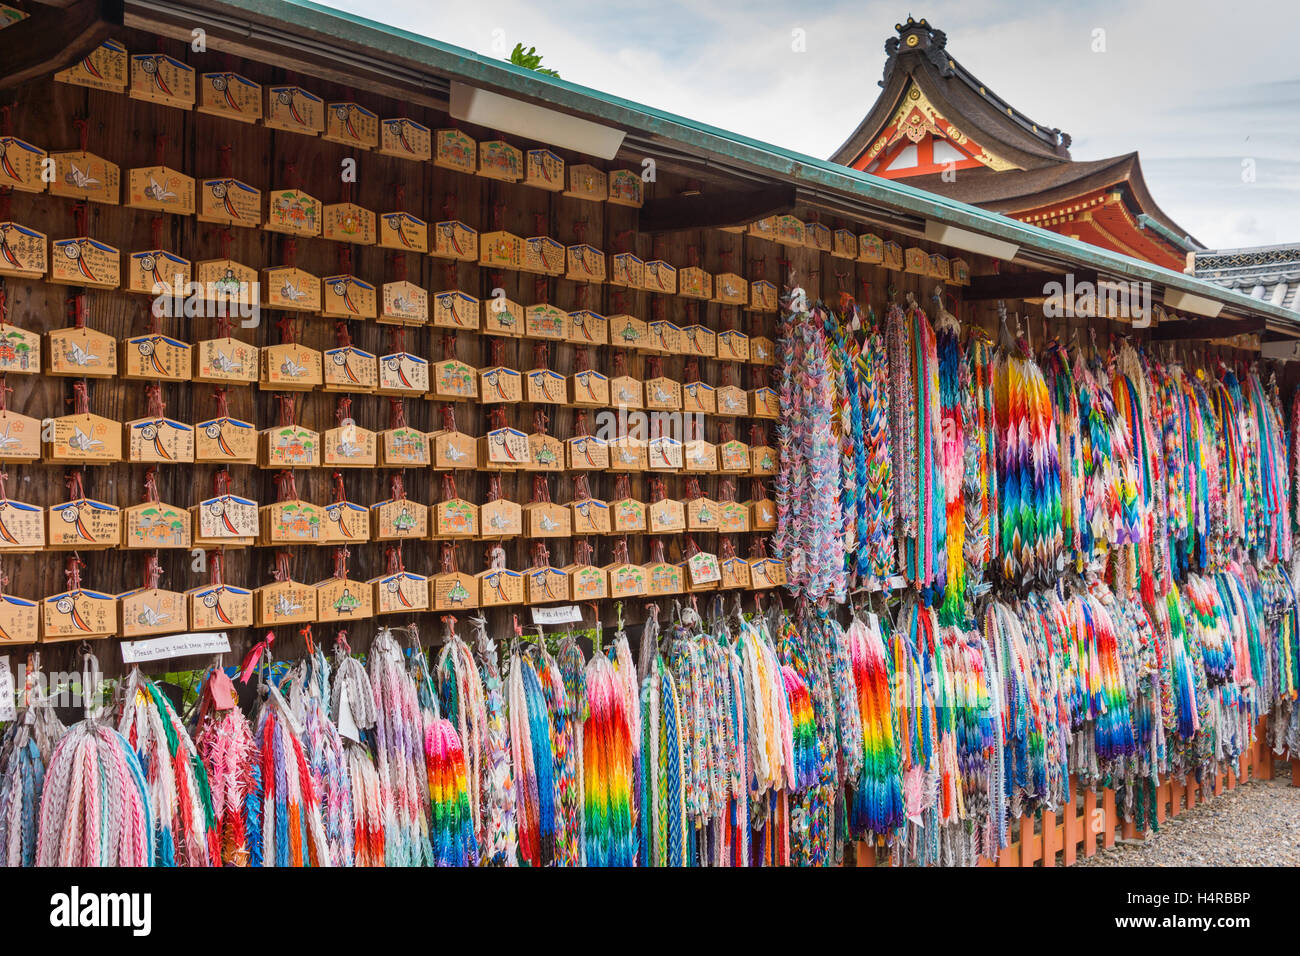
column 174, row 645
column 564, row 614
column 347, row 723
column 8, row 708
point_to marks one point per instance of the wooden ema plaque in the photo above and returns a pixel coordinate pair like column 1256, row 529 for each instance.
column 701, row 571
column 766, row 573
column 765, row 403
column 546, row 519
column 871, row 249
column 700, row 456
column 454, row 591
column 290, row 446
column 731, row 400
column 156, row 524
column 159, row 78
column 225, row 360
column 349, row 369
column 294, row 109
column 403, row 448
column 733, row 457
column 230, row 95
column 626, row 392
column 344, row 599
column 763, row 229
column 23, row 251
column 351, row 124
column 504, row 448
column 225, row 521
column 455, row 310
column 225, row 440
column 844, row 244
column 399, row 519
column 157, row 440
column 85, row 439
column 590, row 516
column 453, row 239
column 584, row 263
column 735, row 573
column 788, row 230
column 628, row 516
column 663, row 338
column 762, row 460
column 762, row 296
column 587, row 182
column 499, row 160
column 350, row 446
column 546, row 585
column 20, row 620
column 663, row 394
column 699, row 398
column 293, row 212
column 627, row 454
column 543, row 256
column 816, row 236
column 664, row 578
column 545, row 452
column 733, row 517
column 346, row 522
column 84, row 524
column 347, row 297
column 290, row 367
column 20, row 437
column 291, row 522
column 403, row 232
column 663, row 453
column 498, row 587
column 545, row 322
column 20, row 165
column 146, row 612
column 501, row 250
column 628, row 331
column 500, row 384
column 732, row 346
column 403, row 303
column 78, row 614
column 455, row 381
column 400, row 592
column 916, row 261
column 82, row 353
column 893, row 261
column 626, row 270
column 590, row 389
column 762, row 351
column 625, row 188
column 959, row 271
column 544, row 169
column 83, row 175
column 702, row 514
column 290, row 289
column 455, row 518
column 348, row 222
column 230, row 202
column 214, row 607
column 20, row 352
column 762, row 515
column 502, row 317
column 402, row 373
column 666, row 516
column 501, row 518
column 453, row 450
column 545, row 387
column 699, row 341
column 587, row 453
column 161, row 189
column 587, row 328
column 226, row 281
column 626, row 580
column 730, row 289
column 284, row 602
column 406, row 138
column 452, row 149
column 694, row 283
column 85, row 262
column 22, row 526
column 660, row 277
column 587, row 583
column 157, row 272
column 103, row 68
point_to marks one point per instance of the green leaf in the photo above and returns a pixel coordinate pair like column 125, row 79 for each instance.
column 530, row 59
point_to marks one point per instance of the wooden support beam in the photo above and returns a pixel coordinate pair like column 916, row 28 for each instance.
column 1020, row 285
column 53, row 38
column 716, row 209
column 1108, row 806
column 1089, row 827
column 1187, row 329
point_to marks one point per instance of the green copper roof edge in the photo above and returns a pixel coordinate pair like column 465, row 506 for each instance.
column 799, row 168
column 1159, row 228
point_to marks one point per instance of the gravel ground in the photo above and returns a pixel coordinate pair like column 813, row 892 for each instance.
column 1257, row 824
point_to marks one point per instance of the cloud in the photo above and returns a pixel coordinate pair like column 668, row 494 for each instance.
column 1195, row 93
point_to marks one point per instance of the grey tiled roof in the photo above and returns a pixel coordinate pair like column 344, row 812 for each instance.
column 1269, row 273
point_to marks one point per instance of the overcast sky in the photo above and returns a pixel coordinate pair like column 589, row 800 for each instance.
column 1208, row 92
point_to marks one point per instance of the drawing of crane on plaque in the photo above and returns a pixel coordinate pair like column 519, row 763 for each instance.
column 150, row 609
column 285, row 601
column 82, row 437
column 347, row 444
